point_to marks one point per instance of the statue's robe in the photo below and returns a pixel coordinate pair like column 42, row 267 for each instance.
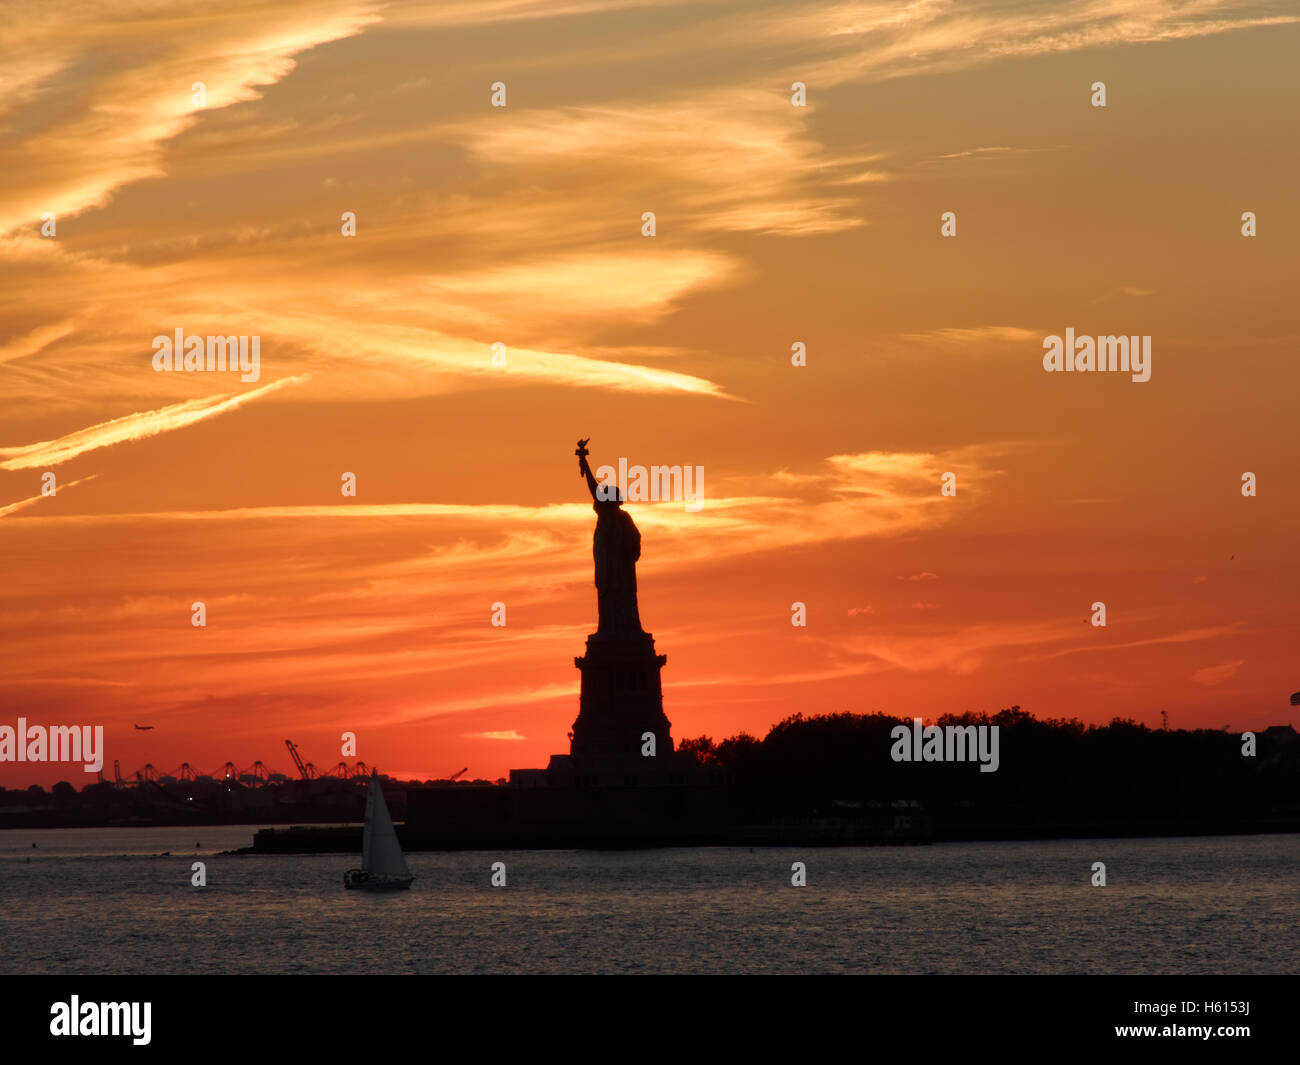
column 616, row 546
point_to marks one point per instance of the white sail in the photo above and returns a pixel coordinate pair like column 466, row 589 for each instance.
column 381, row 854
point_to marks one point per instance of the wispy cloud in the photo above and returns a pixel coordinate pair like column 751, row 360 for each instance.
column 1206, row 632
column 480, row 12
column 975, row 334
column 1220, row 674
column 34, row 342
column 980, row 155
column 872, row 40
column 13, row 508
column 985, row 152
column 112, row 126
column 130, row 427
column 1130, row 291
column 716, row 161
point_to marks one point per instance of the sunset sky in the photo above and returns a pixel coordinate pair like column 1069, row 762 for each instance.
column 522, row 225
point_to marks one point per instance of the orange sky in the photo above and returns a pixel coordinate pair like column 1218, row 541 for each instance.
column 522, row 225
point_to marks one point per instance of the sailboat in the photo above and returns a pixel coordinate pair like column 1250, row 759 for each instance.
column 382, row 866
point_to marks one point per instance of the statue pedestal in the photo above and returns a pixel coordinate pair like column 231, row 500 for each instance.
column 621, row 699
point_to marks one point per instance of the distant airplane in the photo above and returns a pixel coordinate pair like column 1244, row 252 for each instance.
column 144, row 728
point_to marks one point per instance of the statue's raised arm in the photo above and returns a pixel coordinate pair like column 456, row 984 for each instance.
column 585, row 469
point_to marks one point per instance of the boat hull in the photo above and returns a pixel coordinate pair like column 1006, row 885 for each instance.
column 363, row 881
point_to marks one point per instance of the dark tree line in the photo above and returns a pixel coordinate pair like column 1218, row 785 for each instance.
column 1050, row 771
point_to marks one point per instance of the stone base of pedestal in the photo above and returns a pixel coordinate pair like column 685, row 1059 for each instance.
column 621, row 698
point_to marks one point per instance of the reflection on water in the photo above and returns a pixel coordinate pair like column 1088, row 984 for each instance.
column 105, row 901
